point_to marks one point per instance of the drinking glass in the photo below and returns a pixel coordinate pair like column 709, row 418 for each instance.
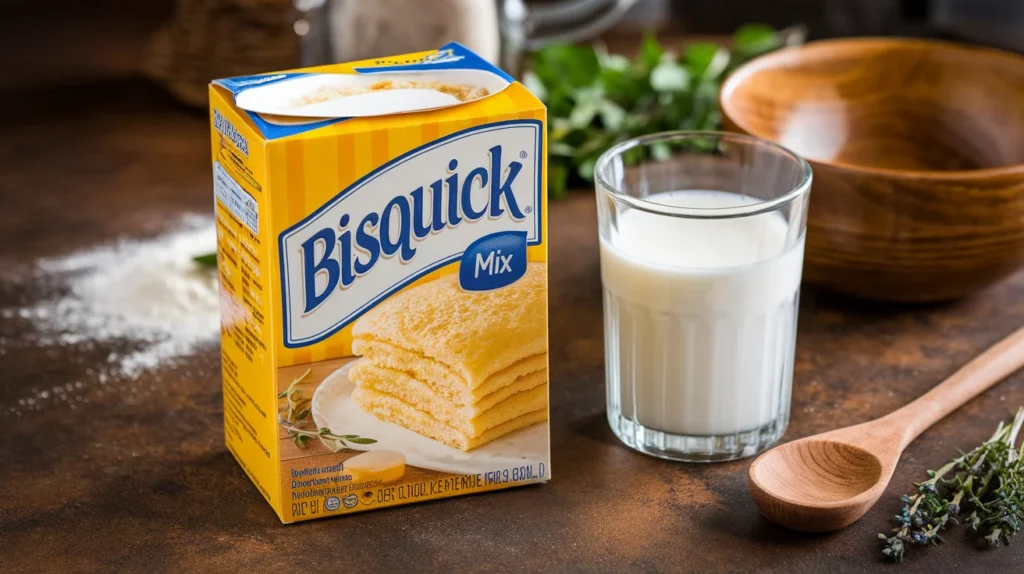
column 702, row 240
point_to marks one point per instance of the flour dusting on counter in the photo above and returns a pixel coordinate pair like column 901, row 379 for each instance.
column 149, row 293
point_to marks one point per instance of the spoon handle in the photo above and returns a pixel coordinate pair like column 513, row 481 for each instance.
column 987, row 369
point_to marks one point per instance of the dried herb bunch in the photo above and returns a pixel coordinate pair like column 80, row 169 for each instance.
column 987, row 482
column 294, row 417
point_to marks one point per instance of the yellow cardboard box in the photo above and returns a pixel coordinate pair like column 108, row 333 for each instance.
column 382, row 232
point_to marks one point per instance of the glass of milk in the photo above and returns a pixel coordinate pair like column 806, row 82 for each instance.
column 702, row 244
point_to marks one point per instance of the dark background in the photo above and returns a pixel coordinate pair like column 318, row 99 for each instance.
column 64, row 41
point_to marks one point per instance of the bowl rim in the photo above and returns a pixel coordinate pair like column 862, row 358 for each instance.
column 830, row 45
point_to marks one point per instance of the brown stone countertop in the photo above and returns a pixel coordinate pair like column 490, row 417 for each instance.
column 136, row 477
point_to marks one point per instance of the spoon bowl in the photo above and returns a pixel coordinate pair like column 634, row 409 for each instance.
column 817, row 484
column 828, row 481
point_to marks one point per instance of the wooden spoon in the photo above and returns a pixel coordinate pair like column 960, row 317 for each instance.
column 827, row 481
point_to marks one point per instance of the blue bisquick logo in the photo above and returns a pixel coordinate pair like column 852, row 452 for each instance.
column 471, row 197
column 331, row 251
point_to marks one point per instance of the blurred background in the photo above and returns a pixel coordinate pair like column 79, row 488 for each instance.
column 184, row 43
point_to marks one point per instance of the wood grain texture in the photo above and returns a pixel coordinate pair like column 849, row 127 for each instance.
column 917, row 149
column 826, row 482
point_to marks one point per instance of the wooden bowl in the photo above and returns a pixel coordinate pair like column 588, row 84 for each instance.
column 917, row 149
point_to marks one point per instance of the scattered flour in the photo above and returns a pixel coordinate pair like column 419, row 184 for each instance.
column 147, row 293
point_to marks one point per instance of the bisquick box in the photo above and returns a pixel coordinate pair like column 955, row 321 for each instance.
column 382, row 254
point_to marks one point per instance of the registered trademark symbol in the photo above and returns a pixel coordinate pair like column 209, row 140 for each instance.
column 528, row 209
column 522, row 155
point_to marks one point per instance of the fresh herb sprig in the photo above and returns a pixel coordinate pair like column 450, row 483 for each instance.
column 987, row 481
column 206, row 260
column 294, row 418
column 596, row 99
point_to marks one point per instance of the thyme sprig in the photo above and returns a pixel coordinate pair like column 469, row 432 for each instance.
column 294, row 418
column 988, row 481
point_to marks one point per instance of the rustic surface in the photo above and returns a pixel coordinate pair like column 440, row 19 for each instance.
column 134, row 475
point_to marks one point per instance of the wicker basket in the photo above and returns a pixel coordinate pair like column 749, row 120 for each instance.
column 209, row 39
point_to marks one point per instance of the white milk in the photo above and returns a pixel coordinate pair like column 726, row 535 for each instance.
column 700, row 317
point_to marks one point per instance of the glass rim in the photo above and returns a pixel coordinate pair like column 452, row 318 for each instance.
column 801, row 188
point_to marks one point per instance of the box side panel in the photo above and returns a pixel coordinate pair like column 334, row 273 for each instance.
column 242, row 209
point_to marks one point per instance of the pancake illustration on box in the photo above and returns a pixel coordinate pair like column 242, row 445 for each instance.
column 461, row 367
column 457, row 380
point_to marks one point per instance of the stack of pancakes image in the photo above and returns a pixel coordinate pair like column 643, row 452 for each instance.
column 460, row 367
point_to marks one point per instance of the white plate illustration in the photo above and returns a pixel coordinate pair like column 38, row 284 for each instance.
column 284, row 98
column 332, row 408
